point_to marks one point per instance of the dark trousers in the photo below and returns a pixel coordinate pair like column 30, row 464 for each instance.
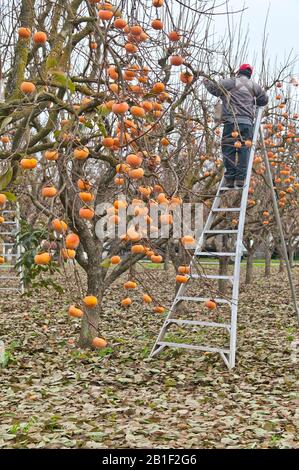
column 236, row 159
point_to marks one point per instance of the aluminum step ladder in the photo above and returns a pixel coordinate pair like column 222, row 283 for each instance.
column 10, row 277
column 228, row 354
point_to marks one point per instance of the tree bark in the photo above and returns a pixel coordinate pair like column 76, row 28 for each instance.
column 223, row 270
column 267, row 263
column 223, row 264
column 281, row 264
column 249, row 267
column 90, row 320
column 21, row 52
column 291, row 256
column 166, row 258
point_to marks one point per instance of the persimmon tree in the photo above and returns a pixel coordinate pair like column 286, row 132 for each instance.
column 102, row 111
column 95, row 103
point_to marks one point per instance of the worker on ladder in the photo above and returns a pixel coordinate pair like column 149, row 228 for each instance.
column 236, row 110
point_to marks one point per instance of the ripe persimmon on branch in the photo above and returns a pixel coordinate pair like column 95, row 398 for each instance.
column 103, row 104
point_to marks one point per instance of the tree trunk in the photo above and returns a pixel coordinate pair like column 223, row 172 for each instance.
column 281, row 264
column 291, row 256
column 166, row 258
column 177, row 258
column 249, row 267
column 223, row 263
column 223, row 270
column 267, row 263
column 90, row 320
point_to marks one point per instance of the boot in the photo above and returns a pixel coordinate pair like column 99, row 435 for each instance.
column 228, row 183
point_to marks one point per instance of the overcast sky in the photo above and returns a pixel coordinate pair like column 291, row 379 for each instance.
column 282, row 26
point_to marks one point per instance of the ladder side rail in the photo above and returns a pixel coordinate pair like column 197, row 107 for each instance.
column 19, row 250
column 239, row 243
column 10, row 224
column 182, row 287
column 278, row 221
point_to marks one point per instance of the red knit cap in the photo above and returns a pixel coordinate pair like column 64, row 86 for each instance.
column 245, row 67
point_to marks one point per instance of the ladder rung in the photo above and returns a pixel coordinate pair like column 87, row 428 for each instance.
column 225, row 188
column 221, row 231
column 227, row 209
column 201, row 299
column 215, row 253
column 211, row 276
column 15, row 278
column 7, row 255
column 191, row 346
column 10, row 288
column 198, row 322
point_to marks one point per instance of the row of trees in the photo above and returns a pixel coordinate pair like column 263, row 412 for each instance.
column 103, row 102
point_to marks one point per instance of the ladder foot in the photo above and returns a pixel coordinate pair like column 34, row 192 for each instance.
column 156, row 350
column 226, row 359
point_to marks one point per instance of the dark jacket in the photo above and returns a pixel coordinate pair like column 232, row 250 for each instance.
column 239, row 97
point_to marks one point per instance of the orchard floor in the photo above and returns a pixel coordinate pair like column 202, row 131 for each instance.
column 55, row 395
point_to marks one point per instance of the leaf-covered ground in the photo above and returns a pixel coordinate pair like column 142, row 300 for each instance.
column 54, row 395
